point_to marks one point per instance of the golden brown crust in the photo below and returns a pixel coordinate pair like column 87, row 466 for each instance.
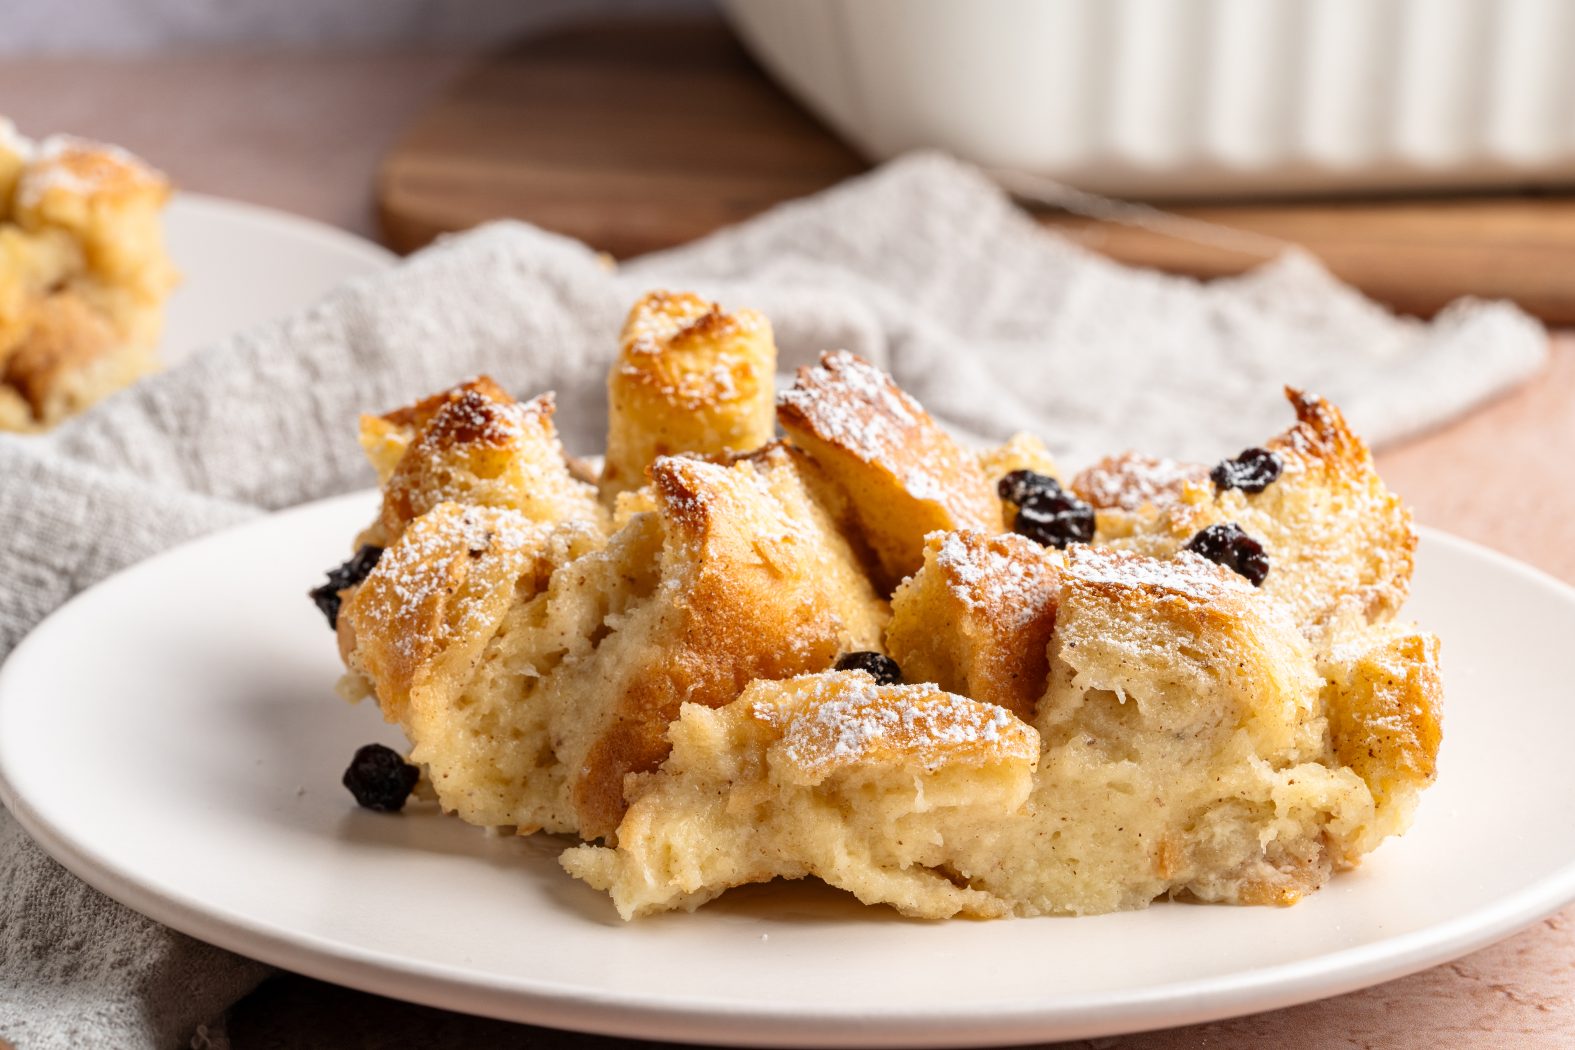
column 977, row 618
column 903, row 475
column 689, row 378
column 473, row 444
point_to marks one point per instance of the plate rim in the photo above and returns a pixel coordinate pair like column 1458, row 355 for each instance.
column 701, row 1019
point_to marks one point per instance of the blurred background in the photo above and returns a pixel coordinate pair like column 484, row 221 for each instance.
column 1418, row 147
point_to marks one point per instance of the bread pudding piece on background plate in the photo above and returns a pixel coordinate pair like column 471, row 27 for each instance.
column 1156, row 680
column 83, row 275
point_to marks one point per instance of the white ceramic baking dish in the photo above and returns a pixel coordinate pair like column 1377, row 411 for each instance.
column 1179, row 98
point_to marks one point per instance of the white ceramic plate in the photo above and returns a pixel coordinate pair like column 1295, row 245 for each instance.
column 171, row 735
column 241, row 264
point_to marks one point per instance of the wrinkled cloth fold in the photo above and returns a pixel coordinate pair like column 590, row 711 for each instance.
column 923, row 266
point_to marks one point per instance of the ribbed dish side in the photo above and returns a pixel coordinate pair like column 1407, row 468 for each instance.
column 1183, row 97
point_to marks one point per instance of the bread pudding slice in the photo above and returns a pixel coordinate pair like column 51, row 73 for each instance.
column 828, row 775
column 904, row 476
column 83, row 274
column 1210, row 701
column 1335, row 536
column 534, row 714
column 472, row 444
column 689, row 378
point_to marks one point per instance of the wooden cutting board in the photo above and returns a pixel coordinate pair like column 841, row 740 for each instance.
column 633, row 136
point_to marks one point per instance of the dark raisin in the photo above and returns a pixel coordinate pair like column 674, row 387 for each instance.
column 1021, row 485
column 878, row 666
column 1054, row 519
column 349, row 574
column 1252, row 471
column 379, row 779
column 1229, row 546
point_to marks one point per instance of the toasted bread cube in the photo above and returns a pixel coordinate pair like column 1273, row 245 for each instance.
column 475, row 445
column 416, row 625
column 1184, row 751
column 689, row 378
column 977, row 617
column 826, row 775
column 903, row 475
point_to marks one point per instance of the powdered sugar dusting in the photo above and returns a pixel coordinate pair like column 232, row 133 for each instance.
column 1131, row 481
column 1186, row 573
column 420, row 567
column 1008, row 578
column 845, row 718
column 868, row 415
column 856, row 406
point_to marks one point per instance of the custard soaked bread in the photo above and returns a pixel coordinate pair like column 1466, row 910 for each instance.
column 83, row 274
column 830, row 775
column 1162, row 679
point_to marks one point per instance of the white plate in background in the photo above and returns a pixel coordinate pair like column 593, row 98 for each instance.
column 242, row 264
column 172, row 736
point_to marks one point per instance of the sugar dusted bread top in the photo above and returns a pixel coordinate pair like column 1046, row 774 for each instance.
column 689, row 378
column 904, row 476
column 1337, row 538
column 841, row 721
column 419, row 620
column 476, row 445
column 978, row 616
